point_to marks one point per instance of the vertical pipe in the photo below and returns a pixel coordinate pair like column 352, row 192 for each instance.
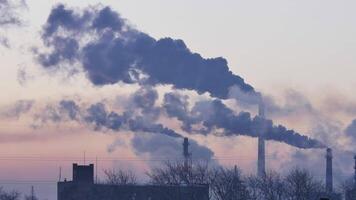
column 186, row 153
column 355, row 173
column 261, row 162
column 329, row 171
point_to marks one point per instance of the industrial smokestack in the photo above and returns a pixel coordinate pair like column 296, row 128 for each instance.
column 261, row 162
column 186, row 153
column 329, row 171
column 355, row 173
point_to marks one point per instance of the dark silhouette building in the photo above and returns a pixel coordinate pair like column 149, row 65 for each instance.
column 83, row 187
column 83, row 173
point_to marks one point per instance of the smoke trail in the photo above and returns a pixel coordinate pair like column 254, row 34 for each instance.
column 112, row 51
column 10, row 17
column 141, row 116
column 115, row 52
column 351, row 130
column 15, row 111
column 213, row 114
column 159, row 146
column 150, row 137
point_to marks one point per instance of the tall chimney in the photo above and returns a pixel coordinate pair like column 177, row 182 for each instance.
column 329, row 171
column 261, row 162
column 355, row 173
column 186, row 153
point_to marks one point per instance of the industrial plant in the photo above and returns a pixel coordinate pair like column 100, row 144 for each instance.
column 83, row 187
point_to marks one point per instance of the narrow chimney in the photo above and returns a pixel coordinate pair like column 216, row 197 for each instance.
column 261, row 162
column 329, row 171
column 355, row 173
column 186, row 153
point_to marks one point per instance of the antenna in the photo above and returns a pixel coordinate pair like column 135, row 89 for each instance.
column 60, row 174
column 96, row 169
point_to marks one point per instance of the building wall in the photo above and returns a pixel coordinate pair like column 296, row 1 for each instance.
column 87, row 191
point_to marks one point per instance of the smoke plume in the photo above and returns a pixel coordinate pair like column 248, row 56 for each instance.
column 17, row 109
column 9, row 14
column 158, row 146
column 10, row 17
column 113, row 51
column 351, row 130
column 213, row 115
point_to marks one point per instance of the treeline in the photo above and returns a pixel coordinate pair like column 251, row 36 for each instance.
column 225, row 183
column 14, row 195
column 230, row 183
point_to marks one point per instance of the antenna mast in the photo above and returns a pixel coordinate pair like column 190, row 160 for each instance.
column 60, row 174
column 96, row 169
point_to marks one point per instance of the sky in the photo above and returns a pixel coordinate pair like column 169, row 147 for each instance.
column 298, row 54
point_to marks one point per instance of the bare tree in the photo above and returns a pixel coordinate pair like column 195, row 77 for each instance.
column 346, row 185
column 12, row 195
column 253, row 186
column 268, row 187
column 228, row 184
column 301, row 185
column 176, row 173
column 120, row 177
column 30, row 197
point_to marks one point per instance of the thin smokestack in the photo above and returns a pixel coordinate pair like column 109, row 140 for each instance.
column 261, row 162
column 329, row 171
column 355, row 173
column 186, row 153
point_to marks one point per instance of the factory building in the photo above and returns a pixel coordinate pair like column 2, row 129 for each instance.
column 82, row 187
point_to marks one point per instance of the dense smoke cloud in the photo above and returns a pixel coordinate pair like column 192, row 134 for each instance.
column 213, row 115
column 113, row 51
column 140, row 118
